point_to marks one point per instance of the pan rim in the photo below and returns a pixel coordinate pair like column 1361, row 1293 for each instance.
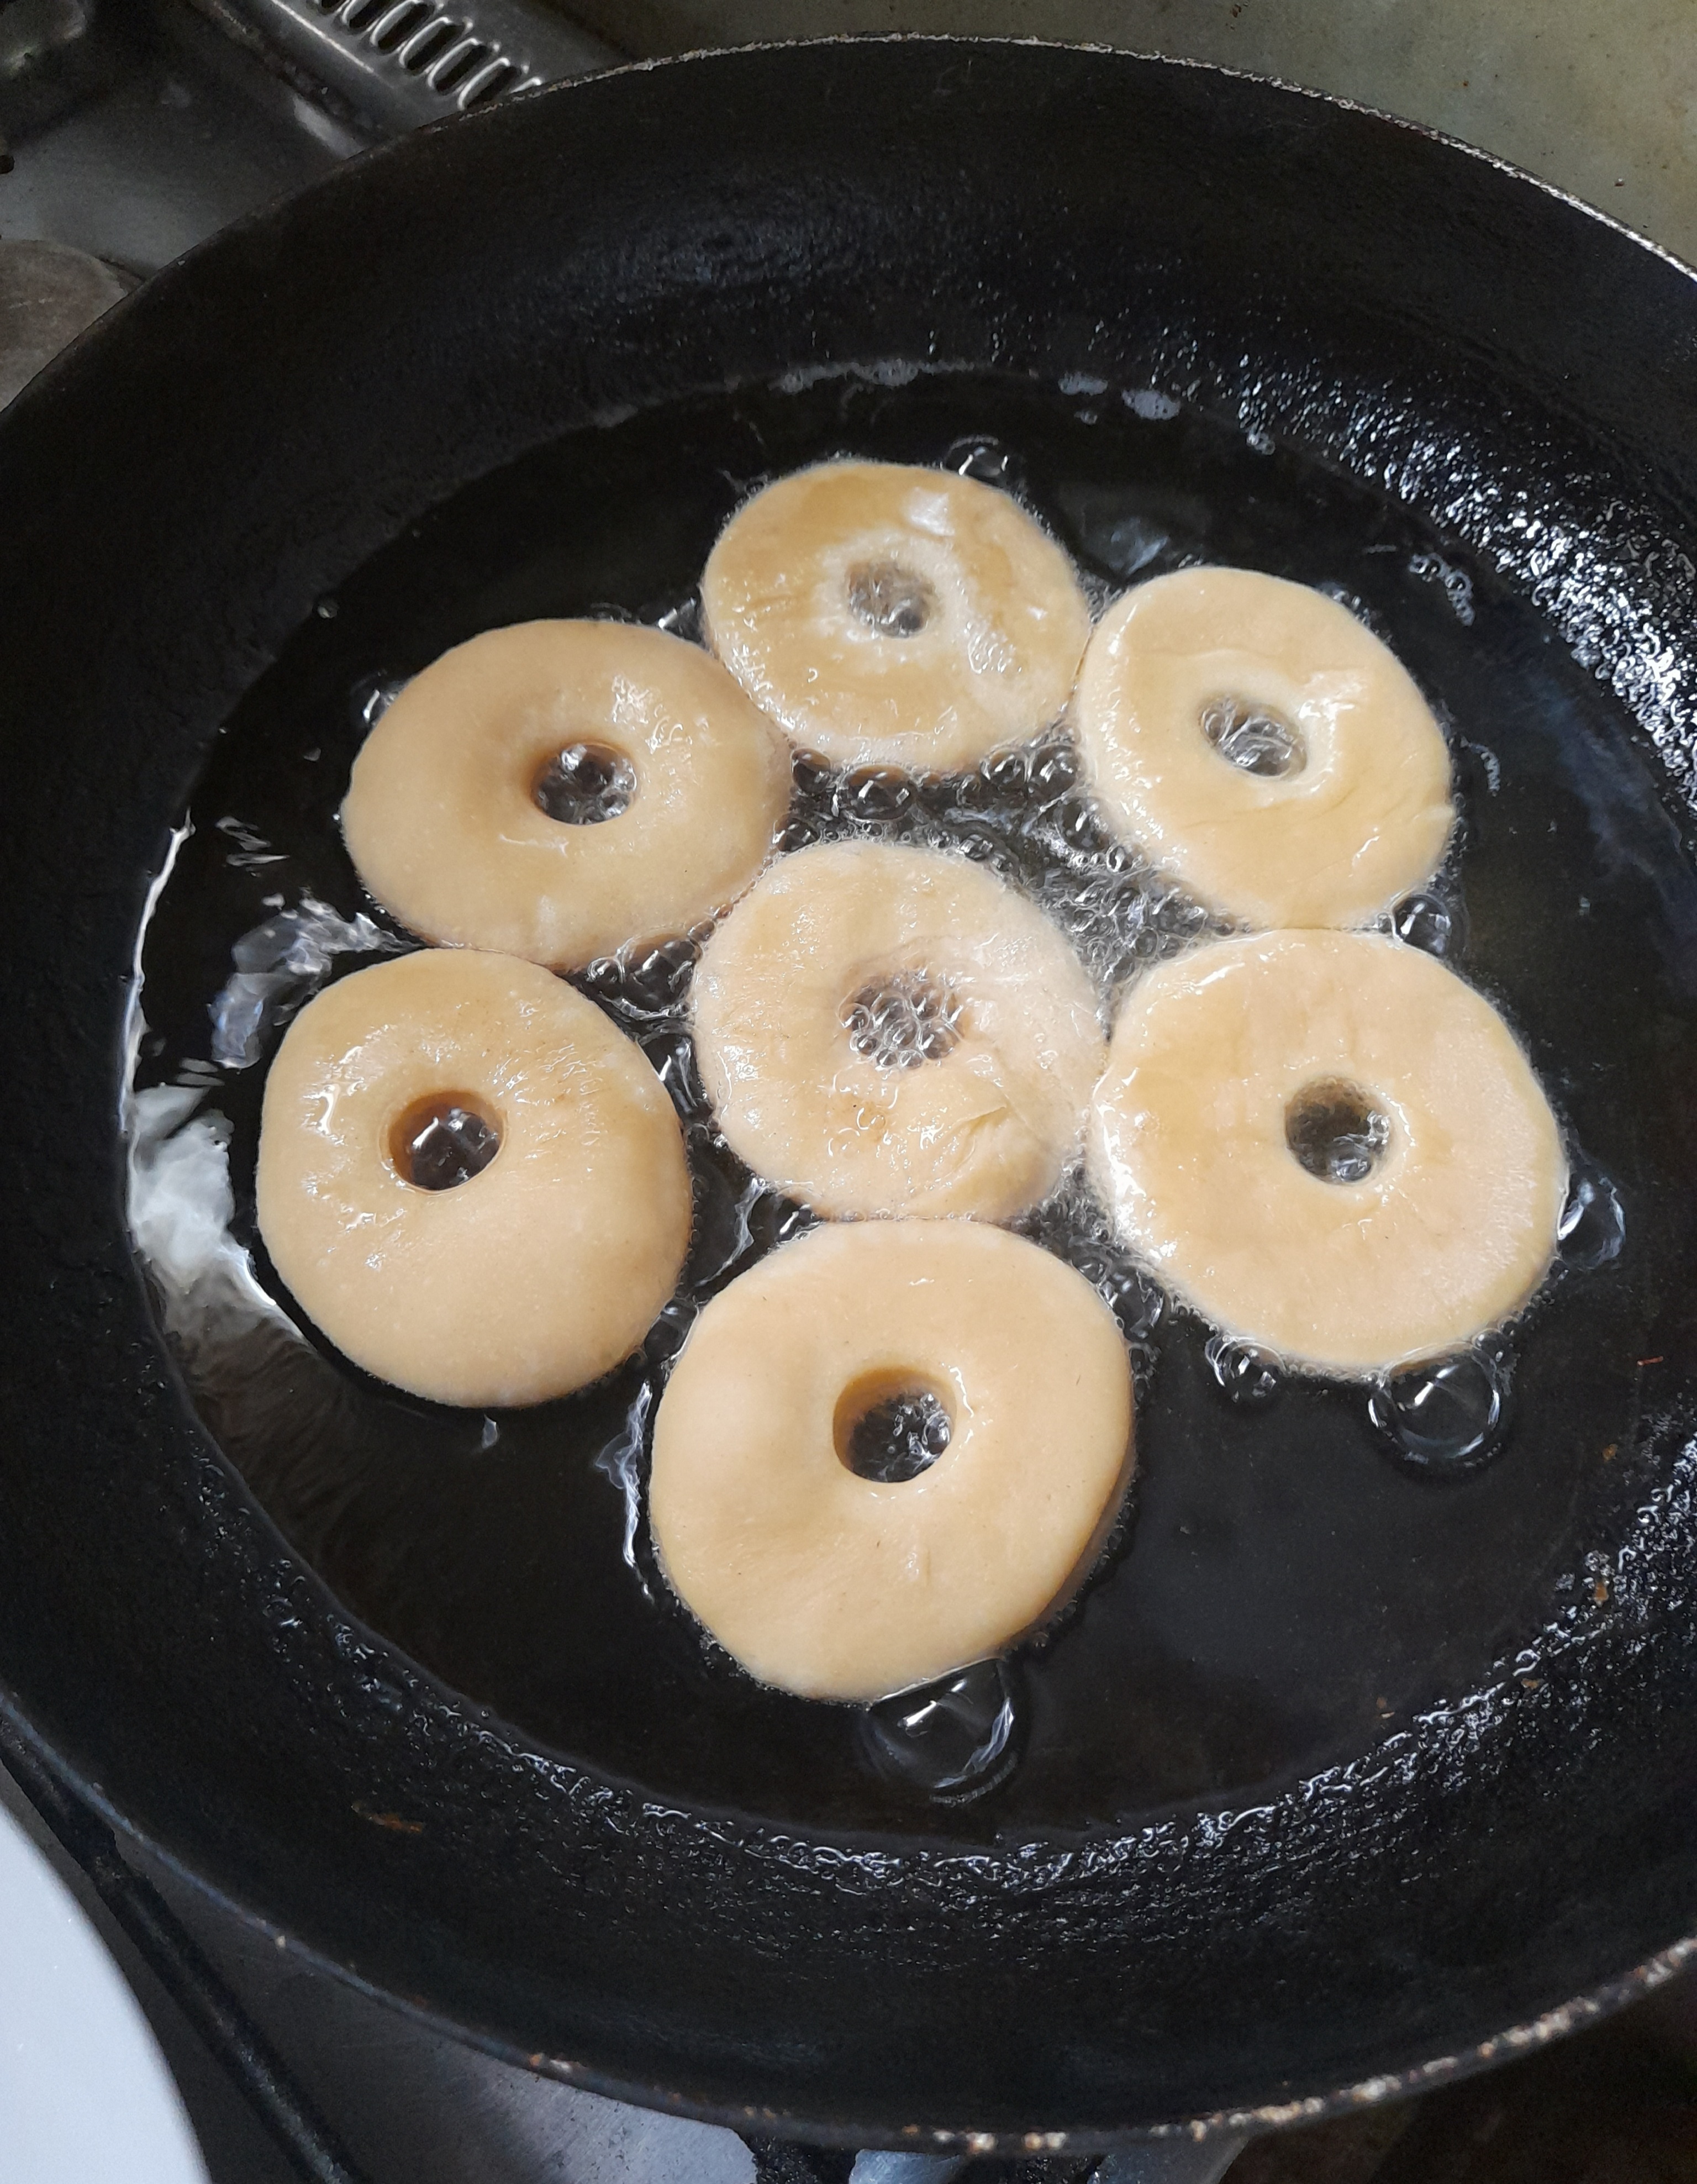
column 1559, row 2022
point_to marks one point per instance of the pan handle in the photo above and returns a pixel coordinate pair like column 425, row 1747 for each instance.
column 399, row 63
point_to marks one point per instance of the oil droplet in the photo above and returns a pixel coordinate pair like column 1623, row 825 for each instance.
column 1436, row 923
column 1244, row 1373
column 1448, row 1415
column 1593, row 1227
column 951, row 1739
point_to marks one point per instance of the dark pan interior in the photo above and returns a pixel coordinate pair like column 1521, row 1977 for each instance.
column 1337, row 1770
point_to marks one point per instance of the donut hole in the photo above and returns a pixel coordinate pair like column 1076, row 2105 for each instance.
column 890, row 1426
column 1335, row 1131
column 444, row 1139
column 583, row 784
column 894, row 601
column 1254, row 738
column 903, row 1020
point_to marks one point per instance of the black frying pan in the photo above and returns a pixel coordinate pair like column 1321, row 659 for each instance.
column 1341, row 1770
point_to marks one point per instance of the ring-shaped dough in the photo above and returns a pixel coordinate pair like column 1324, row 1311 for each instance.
column 1334, row 842
column 1001, row 636
column 1449, row 1232
column 987, row 1128
column 441, row 823
column 527, row 1280
column 836, row 1586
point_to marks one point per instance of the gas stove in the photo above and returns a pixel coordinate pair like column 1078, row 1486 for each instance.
column 130, row 135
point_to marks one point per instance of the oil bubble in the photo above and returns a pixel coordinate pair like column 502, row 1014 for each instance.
column 652, row 980
column 1003, row 772
column 810, row 773
column 669, row 1334
column 671, row 1056
column 1244, row 1373
column 988, row 461
column 952, row 1738
column 1449, row 1415
column 1127, row 1292
column 1069, row 828
column 897, row 1439
column 1435, row 923
column 683, row 620
column 1593, row 1227
column 1052, row 769
column 372, row 696
column 774, row 1219
column 874, row 795
column 984, row 845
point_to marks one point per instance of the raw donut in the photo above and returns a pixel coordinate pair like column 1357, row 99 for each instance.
column 1229, row 1070
column 1205, row 662
column 916, row 955
column 883, row 612
column 442, row 818
column 526, row 1279
column 839, row 1586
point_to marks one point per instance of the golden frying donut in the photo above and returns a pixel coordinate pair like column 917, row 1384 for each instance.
column 884, row 1029
column 442, row 818
column 841, row 1587
column 1329, row 1145
column 508, row 1282
column 883, row 612
column 1263, row 747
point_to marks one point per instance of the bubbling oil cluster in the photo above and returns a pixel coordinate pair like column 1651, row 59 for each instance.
column 979, row 856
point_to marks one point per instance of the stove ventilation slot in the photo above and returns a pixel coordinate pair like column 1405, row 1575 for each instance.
column 438, row 49
column 398, row 63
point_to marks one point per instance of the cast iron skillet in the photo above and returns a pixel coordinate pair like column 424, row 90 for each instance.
column 1356, row 1885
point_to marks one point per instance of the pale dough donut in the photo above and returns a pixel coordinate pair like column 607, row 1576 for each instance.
column 1360, row 820
column 987, row 1127
column 441, row 822
column 1449, row 1232
column 841, row 1587
column 525, row 1280
column 969, row 634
